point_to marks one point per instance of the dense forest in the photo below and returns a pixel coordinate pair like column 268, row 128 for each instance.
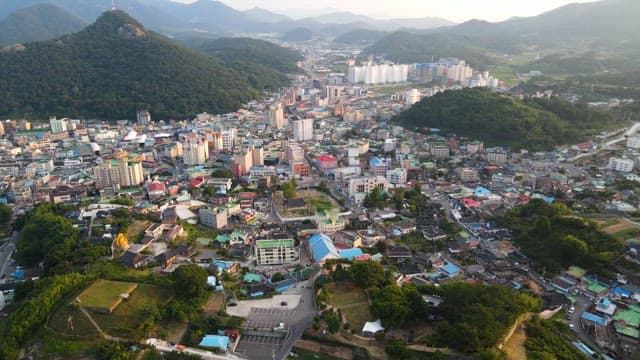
column 252, row 50
column 113, row 68
column 477, row 317
column 37, row 23
column 264, row 65
column 361, row 36
column 534, row 124
column 554, row 240
column 405, row 47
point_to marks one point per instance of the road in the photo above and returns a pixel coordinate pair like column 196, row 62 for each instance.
column 581, row 304
column 6, row 251
column 302, row 318
column 603, row 146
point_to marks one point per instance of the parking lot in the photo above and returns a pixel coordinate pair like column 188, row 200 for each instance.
column 244, row 307
column 259, row 318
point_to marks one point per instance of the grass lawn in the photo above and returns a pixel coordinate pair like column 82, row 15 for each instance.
column 320, row 203
column 353, row 303
column 82, row 328
column 136, row 229
column 303, row 354
column 129, row 313
column 105, row 294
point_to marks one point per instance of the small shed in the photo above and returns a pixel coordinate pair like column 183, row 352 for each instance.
column 371, row 328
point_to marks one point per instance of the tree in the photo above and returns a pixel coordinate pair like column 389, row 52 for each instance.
column 390, row 304
column 374, row 199
column 5, row 214
column 278, row 276
column 323, row 187
column 367, row 273
column 190, row 281
column 333, row 321
column 289, row 189
column 222, row 173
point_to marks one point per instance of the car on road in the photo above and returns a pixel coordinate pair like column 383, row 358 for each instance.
column 284, row 303
column 572, row 327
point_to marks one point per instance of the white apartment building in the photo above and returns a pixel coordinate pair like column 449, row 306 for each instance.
column 633, row 142
column 58, row 125
column 275, row 115
column 215, row 218
column 620, row 164
column 275, row 252
column 195, row 149
column 303, row 130
column 397, row 176
column 143, row 117
column 378, row 74
column 497, row 156
column 228, row 139
column 118, row 173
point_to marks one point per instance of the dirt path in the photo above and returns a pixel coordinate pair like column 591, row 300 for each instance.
column 340, row 352
column 95, row 324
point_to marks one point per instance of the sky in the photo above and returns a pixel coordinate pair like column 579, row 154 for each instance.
column 454, row 10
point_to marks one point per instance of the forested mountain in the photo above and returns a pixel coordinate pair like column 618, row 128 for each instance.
column 113, row 68
column 298, row 34
column 266, row 16
column 252, row 50
column 402, row 46
column 361, row 36
column 37, row 23
column 534, row 124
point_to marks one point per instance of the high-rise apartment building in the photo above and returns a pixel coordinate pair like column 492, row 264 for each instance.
column 195, row 149
column 143, row 117
column 58, row 125
column 228, row 139
column 275, row 115
column 303, row 130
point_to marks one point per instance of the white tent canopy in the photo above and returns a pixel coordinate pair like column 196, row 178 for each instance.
column 372, row 327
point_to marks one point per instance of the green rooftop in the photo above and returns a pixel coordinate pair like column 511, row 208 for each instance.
column 275, row 243
column 221, row 238
column 250, row 277
column 596, row 288
column 630, row 317
column 628, row 331
column 203, row 241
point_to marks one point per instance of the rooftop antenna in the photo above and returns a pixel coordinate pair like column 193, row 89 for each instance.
column 113, row 5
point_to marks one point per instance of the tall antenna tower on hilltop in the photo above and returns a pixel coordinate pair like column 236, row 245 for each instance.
column 113, row 5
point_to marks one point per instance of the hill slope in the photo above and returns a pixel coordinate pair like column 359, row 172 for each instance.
column 264, row 64
column 402, row 46
column 496, row 119
column 361, row 36
column 37, row 23
column 113, row 68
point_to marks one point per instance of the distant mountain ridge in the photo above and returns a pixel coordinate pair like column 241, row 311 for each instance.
column 114, row 67
column 36, row 23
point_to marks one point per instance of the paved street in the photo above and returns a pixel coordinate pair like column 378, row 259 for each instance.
column 6, row 250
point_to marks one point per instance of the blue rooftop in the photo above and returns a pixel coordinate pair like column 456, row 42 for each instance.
column 480, row 191
column 215, row 341
column 322, row 247
column 621, row 292
column 450, row 269
column 376, row 161
column 350, row 254
column 549, row 199
column 594, row 318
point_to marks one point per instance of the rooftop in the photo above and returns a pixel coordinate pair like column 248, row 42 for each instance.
column 275, row 243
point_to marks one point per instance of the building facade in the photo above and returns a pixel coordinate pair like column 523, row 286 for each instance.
column 275, row 252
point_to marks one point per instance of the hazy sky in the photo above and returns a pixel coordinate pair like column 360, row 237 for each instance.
column 455, row 10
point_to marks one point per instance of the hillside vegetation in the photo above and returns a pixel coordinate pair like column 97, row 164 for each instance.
column 496, row 119
column 555, row 241
column 37, row 23
column 113, row 68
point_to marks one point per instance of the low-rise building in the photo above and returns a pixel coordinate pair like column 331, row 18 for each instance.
column 275, row 252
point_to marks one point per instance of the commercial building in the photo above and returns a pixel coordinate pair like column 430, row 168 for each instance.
column 468, row 174
column 379, row 167
column 294, row 152
column 439, row 150
column 326, row 162
column 275, row 252
column 303, row 130
column 360, row 186
column 215, row 218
